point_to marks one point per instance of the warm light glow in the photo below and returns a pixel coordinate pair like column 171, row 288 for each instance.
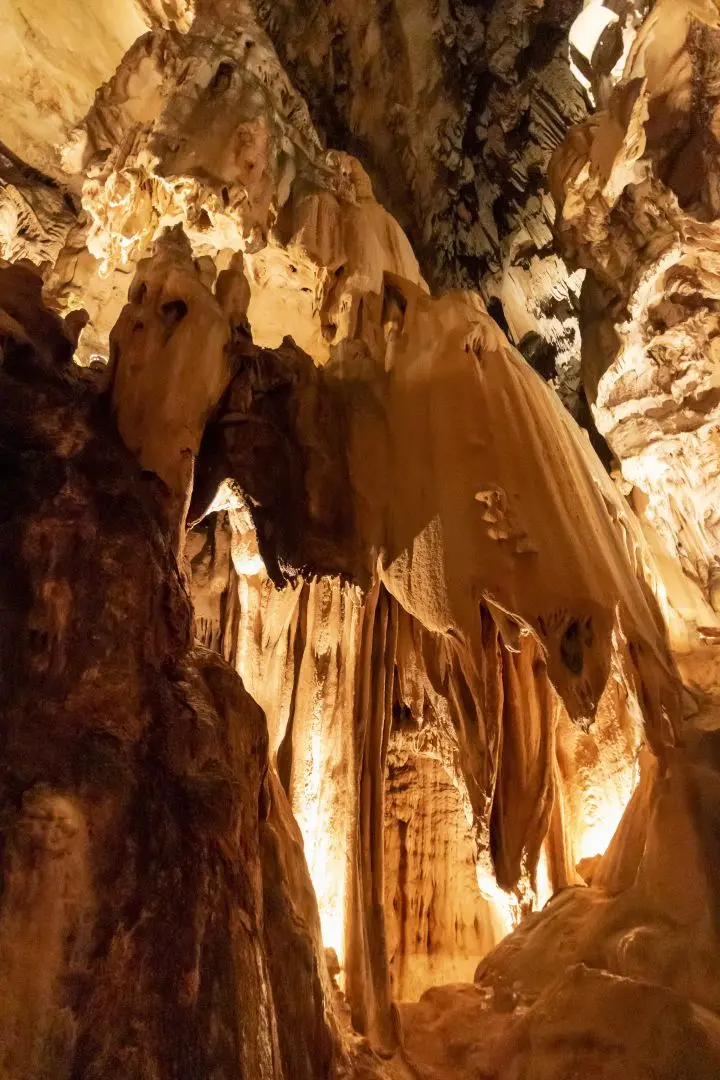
column 324, row 809
column 504, row 905
column 603, row 813
column 589, row 26
column 543, row 887
column 327, row 865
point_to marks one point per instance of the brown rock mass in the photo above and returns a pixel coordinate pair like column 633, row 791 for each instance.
column 358, row 708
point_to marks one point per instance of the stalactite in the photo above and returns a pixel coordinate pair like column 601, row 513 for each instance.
column 518, row 826
column 429, row 627
column 316, row 653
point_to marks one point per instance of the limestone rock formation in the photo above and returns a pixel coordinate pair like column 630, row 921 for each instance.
column 172, row 346
column 455, row 109
column 634, row 187
column 147, row 849
column 355, row 723
column 510, row 631
column 468, row 105
column 617, row 979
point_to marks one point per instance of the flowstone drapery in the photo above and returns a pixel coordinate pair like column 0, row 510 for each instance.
column 338, row 671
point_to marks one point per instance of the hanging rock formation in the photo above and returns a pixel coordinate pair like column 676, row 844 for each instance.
column 455, row 109
column 481, row 622
column 635, row 192
column 337, row 672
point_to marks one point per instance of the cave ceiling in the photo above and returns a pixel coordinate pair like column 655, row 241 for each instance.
column 359, row 539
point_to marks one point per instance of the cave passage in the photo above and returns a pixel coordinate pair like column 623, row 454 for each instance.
column 359, row 540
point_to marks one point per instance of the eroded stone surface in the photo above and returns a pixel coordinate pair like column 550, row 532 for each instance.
column 142, row 849
column 636, row 206
column 450, row 626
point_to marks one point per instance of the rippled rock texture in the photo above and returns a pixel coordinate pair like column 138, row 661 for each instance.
column 336, row 668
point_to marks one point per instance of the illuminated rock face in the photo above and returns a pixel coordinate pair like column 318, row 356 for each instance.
column 53, row 60
column 635, row 189
column 438, row 923
column 463, row 631
column 615, row 978
column 430, row 686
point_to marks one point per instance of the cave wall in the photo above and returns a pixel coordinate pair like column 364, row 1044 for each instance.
column 455, row 110
column 154, row 889
column 634, row 187
column 449, row 624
